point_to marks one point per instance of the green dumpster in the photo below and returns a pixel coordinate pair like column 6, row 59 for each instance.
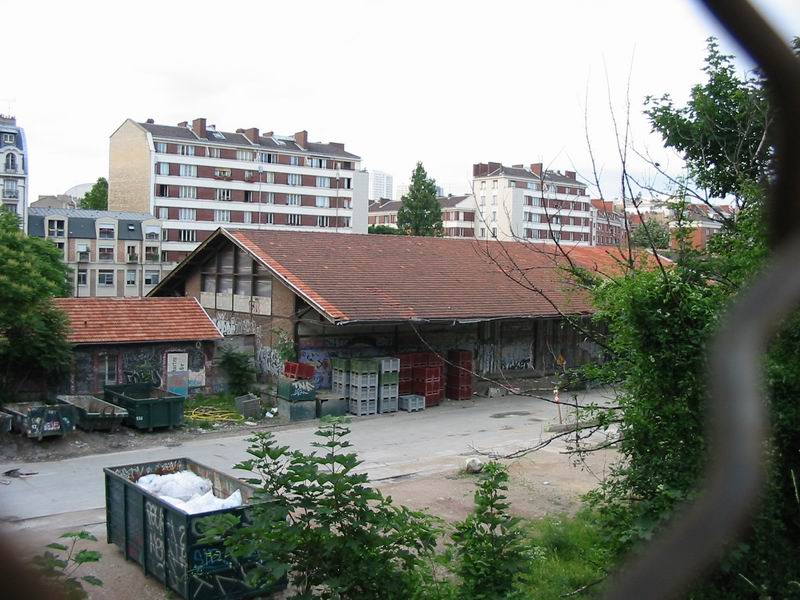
column 148, row 407
column 39, row 420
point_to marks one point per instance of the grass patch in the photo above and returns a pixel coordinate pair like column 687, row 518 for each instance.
column 568, row 554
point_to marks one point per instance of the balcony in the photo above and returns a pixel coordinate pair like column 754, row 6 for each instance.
column 10, row 169
column 151, row 258
column 10, row 194
column 83, row 257
column 133, row 258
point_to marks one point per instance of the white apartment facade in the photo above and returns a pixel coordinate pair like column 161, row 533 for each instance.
column 14, row 165
column 381, row 185
column 458, row 215
column 528, row 203
column 111, row 254
column 195, row 179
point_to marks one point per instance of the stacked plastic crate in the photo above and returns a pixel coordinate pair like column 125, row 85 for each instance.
column 428, row 378
column 406, row 377
column 363, row 386
column 340, row 377
column 388, row 383
column 459, row 374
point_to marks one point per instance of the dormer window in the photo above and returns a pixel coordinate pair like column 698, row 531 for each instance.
column 105, row 232
column 9, row 138
column 55, row 228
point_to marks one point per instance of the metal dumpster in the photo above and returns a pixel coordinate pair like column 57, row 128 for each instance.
column 163, row 539
column 148, row 406
column 94, row 414
column 39, row 420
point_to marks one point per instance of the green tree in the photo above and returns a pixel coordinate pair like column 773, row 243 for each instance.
column 420, row 212
column 33, row 332
column 97, row 197
column 238, row 368
column 650, row 233
column 384, row 230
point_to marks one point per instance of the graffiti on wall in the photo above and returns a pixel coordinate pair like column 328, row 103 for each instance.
column 231, row 325
column 516, row 356
column 268, row 361
column 321, row 361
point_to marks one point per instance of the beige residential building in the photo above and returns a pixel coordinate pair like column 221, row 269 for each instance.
column 110, row 253
column 458, row 215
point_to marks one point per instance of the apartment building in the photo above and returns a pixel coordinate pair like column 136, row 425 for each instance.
column 14, row 159
column 530, row 203
column 381, row 185
column 608, row 224
column 458, row 215
column 195, row 179
column 110, row 253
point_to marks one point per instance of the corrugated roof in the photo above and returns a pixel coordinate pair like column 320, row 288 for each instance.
column 129, row 320
column 395, row 278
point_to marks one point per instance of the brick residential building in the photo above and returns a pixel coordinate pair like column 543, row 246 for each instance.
column 458, row 215
column 608, row 224
column 195, row 178
column 110, row 253
column 14, row 164
column 531, row 204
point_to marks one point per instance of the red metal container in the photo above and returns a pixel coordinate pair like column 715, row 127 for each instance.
column 463, row 392
column 428, row 374
column 435, row 360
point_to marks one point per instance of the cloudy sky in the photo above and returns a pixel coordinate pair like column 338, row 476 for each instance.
column 448, row 83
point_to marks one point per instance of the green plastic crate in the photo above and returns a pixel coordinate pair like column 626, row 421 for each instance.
column 364, row 365
column 385, row 378
column 343, row 364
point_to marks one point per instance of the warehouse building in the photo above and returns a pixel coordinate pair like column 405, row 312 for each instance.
column 512, row 304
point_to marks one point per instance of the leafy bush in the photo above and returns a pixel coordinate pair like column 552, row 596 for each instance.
column 239, row 369
column 61, row 570
column 320, row 523
column 488, row 546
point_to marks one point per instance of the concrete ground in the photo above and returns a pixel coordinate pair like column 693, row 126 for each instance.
column 414, row 457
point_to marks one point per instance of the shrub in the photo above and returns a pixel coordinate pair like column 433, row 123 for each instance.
column 239, row 369
column 61, row 569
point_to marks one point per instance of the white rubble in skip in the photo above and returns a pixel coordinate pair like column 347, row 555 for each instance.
column 188, row 491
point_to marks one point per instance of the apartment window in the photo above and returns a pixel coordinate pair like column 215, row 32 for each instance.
column 8, row 138
column 151, row 277
column 222, row 173
column 248, row 196
column 295, row 179
column 55, row 228
column 162, row 190
column 483, row 232
column 105, row 278
column 81, row 278
column 268, row 218
column 555, row 220
column 323, row 202
column 83, row 252
column 105, row 253
column 214, row 153
column 269, row 198
column 11, row 162
column 494, row 200
column 494, row 232
column 132, row 254
column 187, row 191
column 293, row 199
column 294, row 160
column 187, row 214
column 346, row 183
column 494, row 184
column 60, row 246
column 105, row 232
column 109, row 364
column 247, row 216
column 152, row 232
column 163, row 168
column 269, row 177
column 222, row 216
column 130, row 277
column 188, row 235
column 185, row 150
column 483, row 200
column 319, row 163
column 512, row 183
column 323, row 221
column 494, row 216
column 223, row 195
column 268, row 157
column 249, row 175
column 244, row 155
column 10, row 188
column 483, row 187
column 323, row 182
column 293, row 219
column 188, row 171
column 163, row 212
column 151, row 253
column 161, row 147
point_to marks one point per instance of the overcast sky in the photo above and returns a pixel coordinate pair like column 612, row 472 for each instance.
column 449, row 83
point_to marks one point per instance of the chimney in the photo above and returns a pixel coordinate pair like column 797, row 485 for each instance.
column 301, row 138
column 240, row 130
column 150, row 121
column 269, row 133
column 337, row 145
column 183, row 124
column 199, row 127
column 536, row 169
column 571, row 175
column 252, row 134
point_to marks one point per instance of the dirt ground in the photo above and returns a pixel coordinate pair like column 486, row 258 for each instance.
column 540, row 484
column 14, row 447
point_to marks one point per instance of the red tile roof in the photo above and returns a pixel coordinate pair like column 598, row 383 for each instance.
column 128, row 320
column 351, row 277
